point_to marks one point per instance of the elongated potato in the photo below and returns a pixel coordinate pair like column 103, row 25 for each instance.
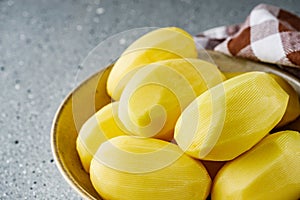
column 293, row 107
column 270, row 170
column 158, row 45
column 156, row 95
column 232, row 117
column 132, row 168
column 102, row 126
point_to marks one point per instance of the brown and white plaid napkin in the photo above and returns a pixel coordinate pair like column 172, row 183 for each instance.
column 269, row 34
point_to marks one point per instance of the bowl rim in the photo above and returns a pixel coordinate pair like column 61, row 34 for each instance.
column 61, row 167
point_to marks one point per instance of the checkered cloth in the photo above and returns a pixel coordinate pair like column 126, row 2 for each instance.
column 269, row 34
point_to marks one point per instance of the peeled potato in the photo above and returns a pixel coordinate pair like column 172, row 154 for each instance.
column 127, row 167
column 230, row 118
column 268, row 171
column 293, row 107
column 156, row 95
column 158, row 45
column 102, row 126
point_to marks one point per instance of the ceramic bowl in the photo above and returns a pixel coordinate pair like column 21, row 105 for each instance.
column 91, row 95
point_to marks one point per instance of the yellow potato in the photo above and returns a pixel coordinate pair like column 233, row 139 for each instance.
column 128, row 167
column 160, row 44
column 102, row 126
column 270, row 170
column 156, row 95
column 293, row 107
column 229, row 119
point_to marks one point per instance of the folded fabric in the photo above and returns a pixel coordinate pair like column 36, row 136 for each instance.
column 269, row 34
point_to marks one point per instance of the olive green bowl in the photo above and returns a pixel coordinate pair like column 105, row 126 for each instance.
column 91, row 95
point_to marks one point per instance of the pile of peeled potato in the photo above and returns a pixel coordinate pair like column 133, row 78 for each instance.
column 179, row 128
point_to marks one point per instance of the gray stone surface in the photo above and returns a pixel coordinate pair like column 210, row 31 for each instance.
column 42, row 44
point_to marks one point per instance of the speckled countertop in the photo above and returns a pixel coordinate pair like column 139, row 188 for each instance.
column 42, row 44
